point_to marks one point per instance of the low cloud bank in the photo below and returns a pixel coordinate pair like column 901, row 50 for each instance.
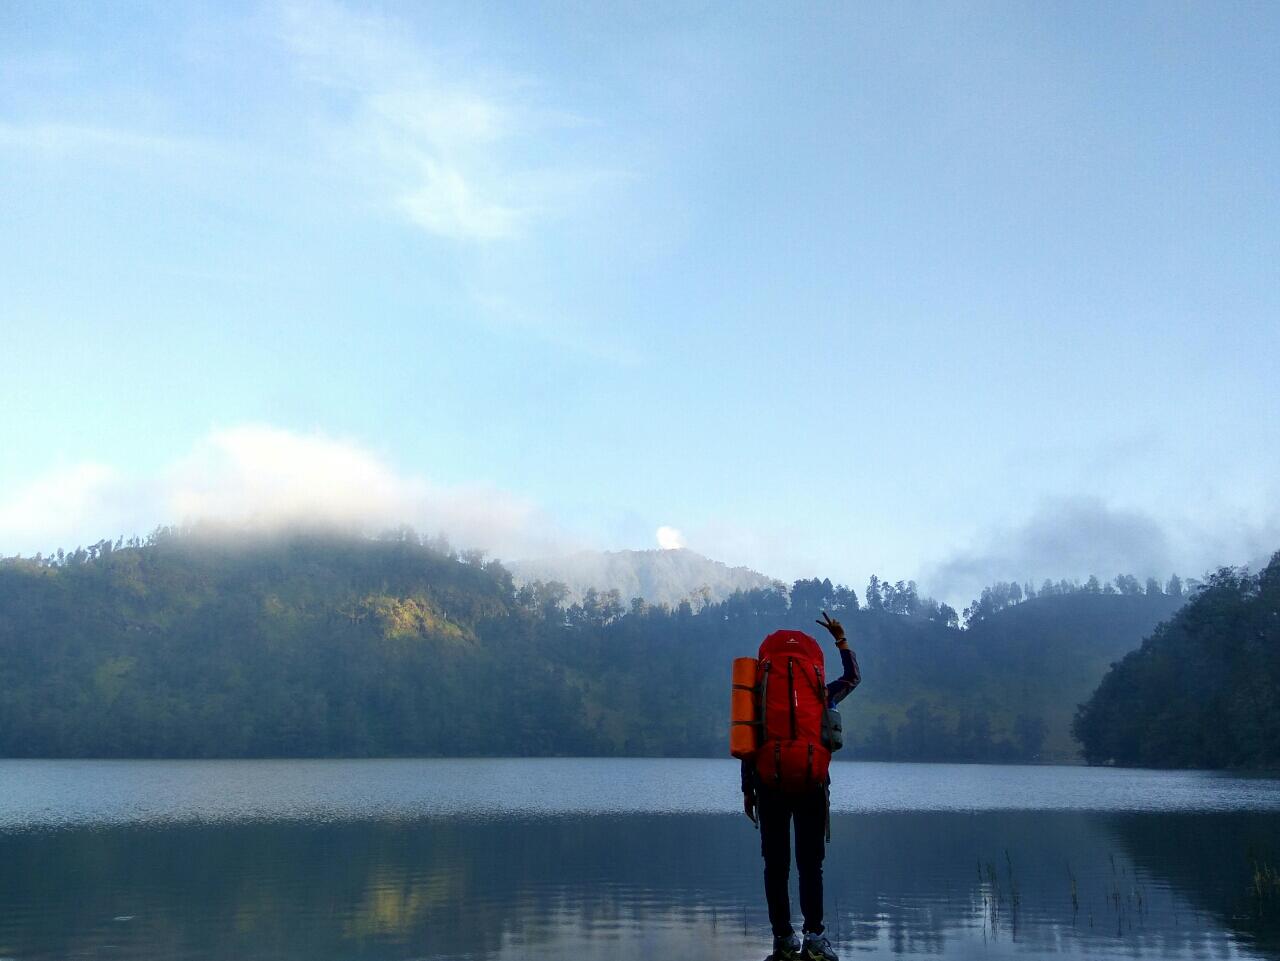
column 1076, row 537
column 264, row 478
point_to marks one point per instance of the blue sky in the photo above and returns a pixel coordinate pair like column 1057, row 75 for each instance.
column 942, row 291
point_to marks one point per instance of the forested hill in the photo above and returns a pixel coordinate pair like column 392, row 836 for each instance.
column 314, row 644
column 1203, row 690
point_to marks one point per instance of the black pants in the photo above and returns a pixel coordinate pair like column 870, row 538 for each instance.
column 776, row 812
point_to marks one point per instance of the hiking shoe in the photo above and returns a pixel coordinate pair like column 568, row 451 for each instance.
column 786, row 949
column 818, row 948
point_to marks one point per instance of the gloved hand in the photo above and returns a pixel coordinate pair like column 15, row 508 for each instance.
column 835, row 627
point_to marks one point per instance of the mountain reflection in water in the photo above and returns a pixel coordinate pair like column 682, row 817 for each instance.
column 638, row 886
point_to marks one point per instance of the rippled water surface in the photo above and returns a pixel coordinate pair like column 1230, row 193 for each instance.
column 621, row 859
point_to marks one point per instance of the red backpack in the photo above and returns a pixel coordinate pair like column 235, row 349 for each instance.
column 793, row 696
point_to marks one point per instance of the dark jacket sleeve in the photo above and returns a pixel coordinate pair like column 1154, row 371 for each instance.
column 748, row 780
column 839, row 689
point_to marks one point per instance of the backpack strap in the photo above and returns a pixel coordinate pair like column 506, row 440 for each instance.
column 819, row 687
column 791, row 693
column 827, row 795
column 764, row 701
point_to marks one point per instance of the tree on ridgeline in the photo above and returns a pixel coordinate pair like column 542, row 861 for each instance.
column 875, row 601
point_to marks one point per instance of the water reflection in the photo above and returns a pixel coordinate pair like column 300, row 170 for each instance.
column 61, row 793
column 640, row 886
column 1224, row 865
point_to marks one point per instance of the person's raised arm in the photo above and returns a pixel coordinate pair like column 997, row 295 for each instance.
column 838, row 689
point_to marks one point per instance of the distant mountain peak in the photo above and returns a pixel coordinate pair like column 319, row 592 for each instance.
column 660, row 576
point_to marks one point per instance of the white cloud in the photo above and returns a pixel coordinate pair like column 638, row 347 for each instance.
column 445, row 203
column 263, row 478
column 669, row 538
column 45, row 512
column 442, row 145
column 467, row 153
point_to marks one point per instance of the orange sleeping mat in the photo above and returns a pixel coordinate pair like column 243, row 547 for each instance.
column 744, row 717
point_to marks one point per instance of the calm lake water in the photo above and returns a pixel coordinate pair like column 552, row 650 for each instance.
column 621, row 859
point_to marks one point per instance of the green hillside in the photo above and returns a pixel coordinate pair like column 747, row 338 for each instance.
column 1203, row 690
column 1053, row 650
column 326, row 645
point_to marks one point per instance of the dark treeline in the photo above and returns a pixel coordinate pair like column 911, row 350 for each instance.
column 1203, row 690
column 997, row 597
column 316, row 644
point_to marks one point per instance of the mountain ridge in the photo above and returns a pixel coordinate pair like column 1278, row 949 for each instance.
column 659, row 576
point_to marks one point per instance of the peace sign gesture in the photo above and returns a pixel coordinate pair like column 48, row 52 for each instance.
column 832, row 625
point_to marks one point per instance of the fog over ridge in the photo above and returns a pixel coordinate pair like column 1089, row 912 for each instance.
column 1075, row 537
column 258, row 477
column 662, row 576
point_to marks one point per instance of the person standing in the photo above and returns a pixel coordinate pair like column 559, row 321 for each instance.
column 775, row 808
